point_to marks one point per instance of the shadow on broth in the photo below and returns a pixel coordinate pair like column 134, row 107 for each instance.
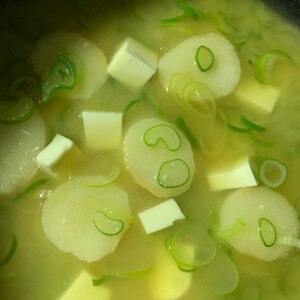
column 149, row 149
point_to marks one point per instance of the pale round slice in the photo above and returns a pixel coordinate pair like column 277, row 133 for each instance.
column 253, row 220
column 20, row 143
column 159, row 157
column 90, row 62
column 223, row 73
column 86, row 221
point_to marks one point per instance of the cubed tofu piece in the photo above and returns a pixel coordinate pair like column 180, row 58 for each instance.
column 58, row 157
column 262, row 97
column 133, row 64
column 102, row 130
column 235, row 174
column 83, row 289
column 167, row 281
column 160, row 216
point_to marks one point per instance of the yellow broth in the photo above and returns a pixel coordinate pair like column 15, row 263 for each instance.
column 38, row 270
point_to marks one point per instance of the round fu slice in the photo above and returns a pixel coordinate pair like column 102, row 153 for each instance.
column 70, row 65
column 86, row 221
column 255, row 220
column 209, row 59
column 20, row 143
column 159, row 157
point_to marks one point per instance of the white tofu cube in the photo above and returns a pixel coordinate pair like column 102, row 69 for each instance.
column 235, row 174
column 103, row 130
column 133, row 64
column 166, row 280
column 160, row 216
column 59, row 156
column 259, row 96
column 83, row 289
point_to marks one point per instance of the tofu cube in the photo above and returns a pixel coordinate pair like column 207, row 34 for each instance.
column 133, row 64
column 160, row 216
column 166, row 280
column 83, row 289
column 235, row 174
column 262, row 97
column 103, row 130
column 58, row 157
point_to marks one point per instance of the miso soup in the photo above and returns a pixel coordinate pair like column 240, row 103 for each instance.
column 149, row 150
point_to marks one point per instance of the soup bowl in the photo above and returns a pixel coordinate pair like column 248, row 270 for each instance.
column 149, row 150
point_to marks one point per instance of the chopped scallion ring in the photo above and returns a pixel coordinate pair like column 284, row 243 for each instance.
column 233, row 230
column 251, row 125
column 264, row 64
column 188, row 9
column 106, row 224
column 180, row 122
column 238, row 129
column 171, row 21
column 272, row 173
column 119, row 275
column 13, row 112
column 165, row 134
column 10, row 253
column 32, row 187
column 61, row 75
column 191, row 248
column 24, row 86
column 100, row 181
column 204, row 58
column 260, row 141
column 173, row 173
column 267, row 232
column 197, row 98
column 101, row 280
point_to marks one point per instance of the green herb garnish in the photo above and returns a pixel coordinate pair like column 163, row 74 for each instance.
column 164, row 134
column 173, row 173
column 61, row 75
column 267, row 232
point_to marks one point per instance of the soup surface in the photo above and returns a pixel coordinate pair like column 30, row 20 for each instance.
column 149, row 150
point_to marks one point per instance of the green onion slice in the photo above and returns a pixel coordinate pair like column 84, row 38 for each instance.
column 267, row 232
column 204, row 58
column 106, row 224
column 10, row 253
column 260, row 141
column 173, row 173
column 61, row 75
column 177, row 84
column 251, row 125
column 238, row 129
column 13, row 112
column 219, row 276
column 164, row 134
column 198, row 99
column 189, row 10
column 100, row 181
column 101, row 280
column 32, row 187
column 182, row 125
column 171, row 21
column 131, row 104
column 24, row 86
column 119, row 275
column 265, row 62
column 233, row 230
column 191, row 248
column 273, row 173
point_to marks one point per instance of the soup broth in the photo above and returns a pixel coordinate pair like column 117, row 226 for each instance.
column 245, row 136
